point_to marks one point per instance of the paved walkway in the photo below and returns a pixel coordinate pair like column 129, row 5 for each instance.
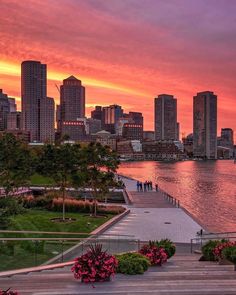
column 153, row 217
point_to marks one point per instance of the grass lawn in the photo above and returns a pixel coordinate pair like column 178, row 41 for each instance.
column 40, row 220
column 38, row 179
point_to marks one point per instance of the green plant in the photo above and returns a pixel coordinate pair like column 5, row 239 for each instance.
column 95, row 265
column 167, row 245
column 11, row 206
column 132, row 263
column 207, row 250
column 7, row 248
column 230, row 253
column 4, row 219
column 33, row 246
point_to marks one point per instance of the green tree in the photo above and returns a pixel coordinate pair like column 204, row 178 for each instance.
column 61, row 163
column 100, row 165
column 15, row 163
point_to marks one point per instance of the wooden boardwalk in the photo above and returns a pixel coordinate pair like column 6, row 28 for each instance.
column 149, row 199
column 181, row 275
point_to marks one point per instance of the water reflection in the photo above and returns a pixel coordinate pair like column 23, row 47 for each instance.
column 206, row 189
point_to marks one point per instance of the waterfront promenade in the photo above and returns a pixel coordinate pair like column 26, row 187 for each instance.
column 152, row 217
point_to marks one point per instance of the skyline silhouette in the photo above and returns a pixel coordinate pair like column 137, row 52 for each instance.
column 126, row 53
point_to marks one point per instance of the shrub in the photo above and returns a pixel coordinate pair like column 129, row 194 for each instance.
column 132, row 263
column 7, row 247
column 11, row 206
column 230, row 253
column 207, row 250
column 72, row 205
column 4, row 219
column 167, row 245
column 31, row 246
column 110, row 209
column 155, row 254
column 30, row 201
column 94, row 266
column 220, row 247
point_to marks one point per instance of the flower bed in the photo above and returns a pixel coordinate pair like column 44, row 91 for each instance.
column 218, row 250
column 94, row 266
column 156, row 255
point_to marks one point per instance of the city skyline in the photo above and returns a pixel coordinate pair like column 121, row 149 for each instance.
column 129, row 54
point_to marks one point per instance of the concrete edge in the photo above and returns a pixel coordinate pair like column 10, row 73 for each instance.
column 129, row 196
column 194, row 219
column 96, row 232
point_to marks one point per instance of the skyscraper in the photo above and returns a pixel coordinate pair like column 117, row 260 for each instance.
column 47, row 120
column 205, row 125
column 4, row 110
column 111, row 116
column 165, row 117
column 97, row 113
column 72, row 99
column 33, row 90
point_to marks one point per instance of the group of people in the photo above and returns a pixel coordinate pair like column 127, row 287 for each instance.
column 146, row 186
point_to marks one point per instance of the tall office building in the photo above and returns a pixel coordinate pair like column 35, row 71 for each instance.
column 72, row 107
column 4, row 110
column 47, row 120
column 205, row 125
column 97, row 113
column 33, row 90
column 72, row 99
column 111, row 116
column 227, row 138
column 165, row 117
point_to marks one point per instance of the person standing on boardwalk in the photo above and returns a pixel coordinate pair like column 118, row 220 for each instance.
column 141, row 186
column 145, row 186
column 138, row 186
column 156, row 186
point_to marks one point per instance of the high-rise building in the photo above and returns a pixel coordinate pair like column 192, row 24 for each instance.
column 14, row 121
column 136, row 117
column 111, row 116
column 47, row 120
column 165, row 117
column 97, row 113
column 4, row 110
column 72, row 99
column 33, row 90
column 227, row 137
column 132, row 131
column 12, row 103
column 205, row 125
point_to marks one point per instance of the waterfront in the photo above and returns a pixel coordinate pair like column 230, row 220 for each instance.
column 206, row 189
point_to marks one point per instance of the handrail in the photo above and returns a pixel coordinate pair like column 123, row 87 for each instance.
column 169, row 198
column 61, row 239
column 59, row 233
column 201, row 239
column 219, row 233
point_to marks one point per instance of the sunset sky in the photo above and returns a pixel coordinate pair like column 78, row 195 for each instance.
column 126, row 51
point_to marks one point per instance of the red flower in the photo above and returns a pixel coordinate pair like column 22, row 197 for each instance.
column 156, row 255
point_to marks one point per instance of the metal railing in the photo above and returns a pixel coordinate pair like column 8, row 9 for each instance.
column 174, row 201
column 205, row 237
column 29, row 251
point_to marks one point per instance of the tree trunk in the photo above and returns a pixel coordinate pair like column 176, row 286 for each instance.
column 63, row 203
